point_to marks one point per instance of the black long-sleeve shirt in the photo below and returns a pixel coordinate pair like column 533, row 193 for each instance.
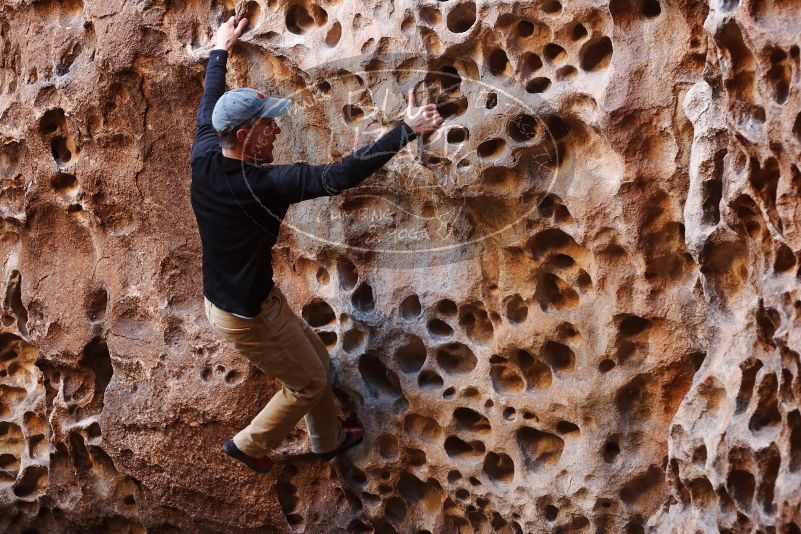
column 239, row 207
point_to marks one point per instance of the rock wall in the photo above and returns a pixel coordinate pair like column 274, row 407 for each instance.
column 576, row 309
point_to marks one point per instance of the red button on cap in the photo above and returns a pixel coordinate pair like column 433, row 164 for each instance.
column 261, row 95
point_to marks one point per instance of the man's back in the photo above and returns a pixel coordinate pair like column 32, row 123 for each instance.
column 237, row 228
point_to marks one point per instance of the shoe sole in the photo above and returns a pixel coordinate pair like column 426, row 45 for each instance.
column 325, row 456
column 231, row 450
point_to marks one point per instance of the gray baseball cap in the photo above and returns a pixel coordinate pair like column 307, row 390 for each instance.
column 238, row 105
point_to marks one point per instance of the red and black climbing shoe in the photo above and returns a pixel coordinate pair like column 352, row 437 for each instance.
column 353, row 437
column 260, row 465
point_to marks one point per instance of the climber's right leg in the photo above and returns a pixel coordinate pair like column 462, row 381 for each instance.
column 277, row 345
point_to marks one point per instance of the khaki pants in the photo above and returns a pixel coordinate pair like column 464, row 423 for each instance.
column 283, row 346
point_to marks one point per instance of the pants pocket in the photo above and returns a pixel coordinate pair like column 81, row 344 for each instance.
column 228, row 322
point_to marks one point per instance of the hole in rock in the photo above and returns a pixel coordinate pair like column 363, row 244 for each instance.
column 538, row 85
column 65, row 184
column 9, row 462
column 606, row 365
column 566, row 72
column 298, row 19
column 794, row 425
column 362, row 298
column 522, row 128
column 651, row 8
column 596, row 55
column 430, row 15
column 566, row 427
column 387, row 446
column 352, row 340
column 451, row 107
column 33, row 481
column 439, row 328
column 425, row 494
column 525, row 28
column 553, row 292
column 422, row 428
column 476, row 323
column 578, row 32
column 539, row 449
column 52, row 121
column 467, row 420
column 551, row 512
column 318, row 313
column 96, row 303
column 554, row 53
column 741, row 485
column 531, row 64
column 97, row 358
column 498, row 63
column 456, row 358
column 538, row 375
column 446, row 307
column 499, row 467
column 383, row 381
column 492, row 148
column 548, row 241
column 516, row 309
column 633, row 325
column 611, row 451
column 458, row 134
column 410, row 307
column 329, row 339
column 462, row 17
column 252, row 12
column 552, row 7
column 322, row 276
column 333, row 36
column 352, row 113
column 324, row 87
column 320, row 15
column 505, row 379
column 62, row 149
column 347, row 274
column 462, row 450
column 644, row 487
column 454, row 476
column 471, row 392
column 558, row 128
column 635, row 399
column 395, row 509
column 414, row 457
column 785, row 259
column 767, row 411
column 429, row 379
column 411, row 356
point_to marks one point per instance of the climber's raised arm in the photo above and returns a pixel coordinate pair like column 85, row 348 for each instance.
column 205, row 136
column 294, row 183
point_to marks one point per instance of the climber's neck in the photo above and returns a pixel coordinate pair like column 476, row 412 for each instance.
column 233, row 153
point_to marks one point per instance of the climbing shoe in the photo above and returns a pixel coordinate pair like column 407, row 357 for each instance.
column 260, row 465
column 352, row 438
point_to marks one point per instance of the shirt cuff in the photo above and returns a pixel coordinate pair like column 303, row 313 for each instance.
column 218, row 54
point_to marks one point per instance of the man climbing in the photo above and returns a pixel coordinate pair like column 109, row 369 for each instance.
column 239, row 201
